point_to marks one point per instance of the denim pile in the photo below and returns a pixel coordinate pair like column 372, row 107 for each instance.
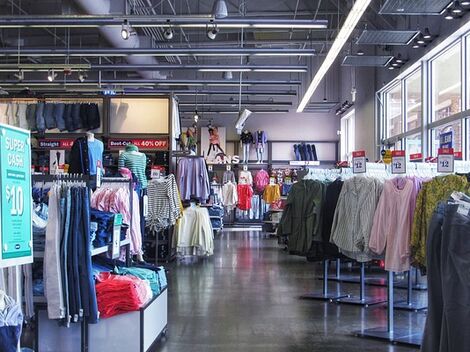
column 104, row 228
column 305, row 152
column 42, row 116
column 68, row 281
column 11, row 320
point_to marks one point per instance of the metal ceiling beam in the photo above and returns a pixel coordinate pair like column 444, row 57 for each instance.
column 235, row 103
column 80, row 21
column 152, row 67
column 144, row 82
column 217, row 51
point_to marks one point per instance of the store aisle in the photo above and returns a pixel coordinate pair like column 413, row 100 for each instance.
column 245, row 298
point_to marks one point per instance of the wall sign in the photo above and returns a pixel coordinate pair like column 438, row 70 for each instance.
column 445, row 160
column 445, row 139
column 149, row 143
column 398, row 162
column 15, row 188
column 55, row 143
column 359, row 162
column 116, row 249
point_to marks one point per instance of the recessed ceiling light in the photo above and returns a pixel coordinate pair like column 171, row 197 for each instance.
column 427, row 35
column 448, row 15
column 457, row 8
column 360, row 53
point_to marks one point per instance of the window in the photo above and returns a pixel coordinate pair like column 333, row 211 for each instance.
column 446, row 84
column 393, row 112
column 347, row 136
column 453, row 129
column 413, row 144
column 413, row 101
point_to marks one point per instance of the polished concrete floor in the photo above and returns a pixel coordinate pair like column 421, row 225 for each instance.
column 246, row 298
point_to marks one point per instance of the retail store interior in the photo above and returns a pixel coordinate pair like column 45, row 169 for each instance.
column 233, row 175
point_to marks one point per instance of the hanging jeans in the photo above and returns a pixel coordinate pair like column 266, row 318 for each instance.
column 40, row 122
column 259, row 153
column 49, row 116
column 59, row 110
column 246, row 152
column 255, row 207
column 68, row 117
column 31, row 117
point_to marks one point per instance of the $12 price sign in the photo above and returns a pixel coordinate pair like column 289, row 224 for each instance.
column 398, row 162
column 359, row 162
column 445, row 160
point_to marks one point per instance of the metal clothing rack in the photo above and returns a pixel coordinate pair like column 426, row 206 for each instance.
column 324, row 295
column 409, row 304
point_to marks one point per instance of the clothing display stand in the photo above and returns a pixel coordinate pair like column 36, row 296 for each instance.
column 407, row 337
column 324, row 295
column 363, row 299
column 409, row 304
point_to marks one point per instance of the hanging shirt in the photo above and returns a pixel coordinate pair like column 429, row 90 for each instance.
column 272, row 193
column 392, row 224
column 245, row 192
column 137, row 163
column 229, row 175
column 245, row 178
column 261, row 180
column 229, row 195
column 95, row 155
column 192, row 178
column 246, row 138
column 260, row 139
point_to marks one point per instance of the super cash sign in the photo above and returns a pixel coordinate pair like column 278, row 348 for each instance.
column 116, row 143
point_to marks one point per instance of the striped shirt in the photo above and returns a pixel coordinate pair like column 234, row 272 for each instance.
column 164, row 203
column 136, row 162
column 354, row 217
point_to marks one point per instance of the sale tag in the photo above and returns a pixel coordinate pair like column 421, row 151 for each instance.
column 398, row 162
column 445, row 160
column 98, row 174
column 359, row 162
column 155, row 172
column 116, row 249
column 387, row 156
column 145, row 203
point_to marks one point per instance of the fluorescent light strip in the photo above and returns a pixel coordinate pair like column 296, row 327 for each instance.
column 351, row 22
column 224, row 70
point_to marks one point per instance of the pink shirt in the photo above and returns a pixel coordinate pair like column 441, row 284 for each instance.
column 391, row 229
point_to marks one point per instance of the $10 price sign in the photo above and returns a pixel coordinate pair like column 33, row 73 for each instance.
column 445, row 160
column 359, row 162
column 398, row 162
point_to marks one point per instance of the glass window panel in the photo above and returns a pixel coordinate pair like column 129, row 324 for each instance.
column 413, row 101
column 393, row 112
column 413, row 144
column 456, row 129
column 446, row 83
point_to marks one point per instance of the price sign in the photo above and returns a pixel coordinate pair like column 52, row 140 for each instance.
column 159, row 144
column 116, row 249
column 445, row 160
column 398, row 162
column 416, row 157
column 155, row 172
column 15, row 188
column 359, row 162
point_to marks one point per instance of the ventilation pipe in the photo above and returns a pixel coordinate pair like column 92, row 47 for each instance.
column 113, row 34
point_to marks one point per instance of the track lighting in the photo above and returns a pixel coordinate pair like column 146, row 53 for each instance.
column 399, row 60
column 126, row 30
column 196, row 116
column 360, row 53
column 19, row 75
column 465, row 3
column 82, row 76
column 51, row 75
column 420, row 39
column 427, row 34
column 457, row 8
column 227, row 75
column 219, row 9
column 448, row 14
column 391, row 67
column 415, row 45
column 325, row 100
column 212, row 32
column 168, row 33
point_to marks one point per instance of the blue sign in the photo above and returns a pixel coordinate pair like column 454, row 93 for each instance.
column 16, row 200
column 446, row 139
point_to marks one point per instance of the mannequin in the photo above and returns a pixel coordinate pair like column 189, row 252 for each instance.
column 260, row 141
column 95, row 153
column 246, row 139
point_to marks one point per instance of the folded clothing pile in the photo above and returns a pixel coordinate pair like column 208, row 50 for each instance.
column 117, row 294
column 144, row 274
column 11, row 320
column 104, row 232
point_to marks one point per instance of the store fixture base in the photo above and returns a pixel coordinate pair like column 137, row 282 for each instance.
column 411, row 307
column 320, row 296
column 365, row 302
column 398, row 336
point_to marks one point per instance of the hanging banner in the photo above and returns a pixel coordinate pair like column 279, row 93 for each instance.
column 15, row 182
column 416, row 157
column 398, row 162
column 55, row 143
column 445, row 160
column 149, row 143
column 446, row 139
column 359, row 162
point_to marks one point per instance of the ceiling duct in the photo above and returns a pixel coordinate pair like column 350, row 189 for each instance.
column 414, row 7
column 113, row 35
column 366, row 61
column 386, row 37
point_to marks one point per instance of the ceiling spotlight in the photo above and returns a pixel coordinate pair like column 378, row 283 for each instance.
column 227, row 75
column 360, row 53
column 415, row 45
column 427, row 34
column 448, row 15
column 212, row 32
column 325, row 100
column 219, row 9
column 19, row 75
column 391, row 67
column 82, row 76
column 465, row 3
column 457, row 8
column 399, row 59
column 51, row 75
column 420, row 39
column 126, row 30
column 168, row 33
column 196, row 116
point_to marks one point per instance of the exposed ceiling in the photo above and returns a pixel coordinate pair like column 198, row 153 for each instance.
column 272, row 47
